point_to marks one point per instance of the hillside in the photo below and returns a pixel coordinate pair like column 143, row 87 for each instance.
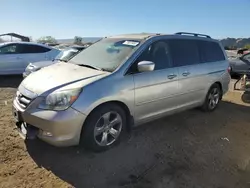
column 237, row 42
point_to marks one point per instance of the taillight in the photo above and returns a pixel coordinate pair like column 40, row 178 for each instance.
column 229, row 69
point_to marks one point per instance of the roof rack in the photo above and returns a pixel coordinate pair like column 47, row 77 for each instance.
column 193, row 34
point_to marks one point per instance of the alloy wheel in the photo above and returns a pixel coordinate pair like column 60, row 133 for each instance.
column 108, row 128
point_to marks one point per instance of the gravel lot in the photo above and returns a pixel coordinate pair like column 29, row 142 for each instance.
column 191, row 149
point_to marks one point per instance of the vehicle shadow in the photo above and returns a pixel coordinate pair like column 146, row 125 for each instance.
column 10, row 81
column 186, row 143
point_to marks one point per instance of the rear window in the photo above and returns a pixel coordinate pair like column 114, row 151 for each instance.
column 210, row 51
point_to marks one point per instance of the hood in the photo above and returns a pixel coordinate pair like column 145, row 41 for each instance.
column 60, row 75
column 41, row 64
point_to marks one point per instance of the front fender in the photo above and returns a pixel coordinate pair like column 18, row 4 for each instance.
column 108, row 89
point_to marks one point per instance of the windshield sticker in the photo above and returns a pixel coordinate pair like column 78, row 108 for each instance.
column 130, row 43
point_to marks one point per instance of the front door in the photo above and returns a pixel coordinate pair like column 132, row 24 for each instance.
column 155, row 91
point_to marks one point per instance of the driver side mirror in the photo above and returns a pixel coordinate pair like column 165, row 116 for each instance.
column 146, row 66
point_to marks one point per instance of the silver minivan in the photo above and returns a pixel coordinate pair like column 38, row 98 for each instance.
column 118, row 83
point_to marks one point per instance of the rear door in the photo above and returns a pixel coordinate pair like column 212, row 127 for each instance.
column 214, row 63
column 192, row 75
column 33, row 53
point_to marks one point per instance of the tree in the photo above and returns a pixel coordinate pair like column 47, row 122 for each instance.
column 78, row 40
column 247, row 46
column 47, row 39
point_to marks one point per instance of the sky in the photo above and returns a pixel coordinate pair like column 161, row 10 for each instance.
column 65, row 19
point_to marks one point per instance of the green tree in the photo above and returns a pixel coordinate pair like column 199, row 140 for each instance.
column 247, row 46
column 47, row 39
column 78, row 40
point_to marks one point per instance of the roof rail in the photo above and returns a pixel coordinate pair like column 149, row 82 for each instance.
column 193, row 34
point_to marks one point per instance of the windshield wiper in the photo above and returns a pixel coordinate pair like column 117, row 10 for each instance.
column 90, row 66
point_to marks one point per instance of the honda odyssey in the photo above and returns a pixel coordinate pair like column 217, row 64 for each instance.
column 120, row 82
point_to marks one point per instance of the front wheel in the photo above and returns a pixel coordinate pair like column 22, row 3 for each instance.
column 103, row 127
column 213, row 98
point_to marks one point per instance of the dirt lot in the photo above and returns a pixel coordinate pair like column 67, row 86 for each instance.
column 191, row 149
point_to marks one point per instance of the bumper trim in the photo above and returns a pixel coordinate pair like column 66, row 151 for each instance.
column 31, row 131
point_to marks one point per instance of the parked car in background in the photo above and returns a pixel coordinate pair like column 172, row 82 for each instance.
column 15, row 56
column 64, row 55
column 239, row 64
column 120, row 82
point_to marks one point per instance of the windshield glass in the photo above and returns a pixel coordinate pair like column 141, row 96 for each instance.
column 107, row 54
column 66, row 54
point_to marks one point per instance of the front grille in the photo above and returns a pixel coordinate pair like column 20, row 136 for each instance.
column 22, row 100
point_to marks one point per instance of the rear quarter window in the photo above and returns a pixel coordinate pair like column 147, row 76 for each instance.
column 210, row 51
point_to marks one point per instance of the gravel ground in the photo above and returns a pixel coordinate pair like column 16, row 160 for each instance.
column 191, row 149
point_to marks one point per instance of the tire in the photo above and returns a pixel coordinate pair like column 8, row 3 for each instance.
column 100, row 131
column 214, row 94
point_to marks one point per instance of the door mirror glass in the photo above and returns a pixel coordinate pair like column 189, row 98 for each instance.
column 145, row 66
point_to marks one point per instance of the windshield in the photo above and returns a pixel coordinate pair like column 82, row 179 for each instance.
column 66, row 54
column 107, row 54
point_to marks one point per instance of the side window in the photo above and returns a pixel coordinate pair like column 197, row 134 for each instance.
column 210, row 52
column 9, row 49
column 28, row 48
column 184, row 52
column 157, row 52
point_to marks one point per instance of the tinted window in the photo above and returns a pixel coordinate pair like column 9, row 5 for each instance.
column 210, row 51
column 27, row 48
column 184, row 52
column 158, row 52
column 9, row 49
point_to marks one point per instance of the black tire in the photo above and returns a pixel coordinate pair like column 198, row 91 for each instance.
column 88, row 138
column 206, row 107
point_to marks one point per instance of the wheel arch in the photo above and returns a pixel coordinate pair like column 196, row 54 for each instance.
column 129, row 116
column 220, row 86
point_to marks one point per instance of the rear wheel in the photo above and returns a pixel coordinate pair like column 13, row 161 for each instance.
column 212, row 99
column 103, row 127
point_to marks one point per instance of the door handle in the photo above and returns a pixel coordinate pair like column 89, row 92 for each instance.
column 171, row 76
column 185, row 73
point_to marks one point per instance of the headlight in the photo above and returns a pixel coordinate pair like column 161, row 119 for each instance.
column 31, row 68
column 60, row 100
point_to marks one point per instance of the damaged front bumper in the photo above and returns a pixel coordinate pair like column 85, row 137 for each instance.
column 58, row 128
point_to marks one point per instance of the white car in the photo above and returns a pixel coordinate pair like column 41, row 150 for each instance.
column 15, row 56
